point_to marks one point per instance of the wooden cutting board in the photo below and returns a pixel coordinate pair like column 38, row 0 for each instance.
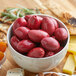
column 9, row 63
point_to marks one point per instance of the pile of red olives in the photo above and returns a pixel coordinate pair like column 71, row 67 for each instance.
column 38, row 37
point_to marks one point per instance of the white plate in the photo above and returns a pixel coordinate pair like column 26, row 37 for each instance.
column 60, row 74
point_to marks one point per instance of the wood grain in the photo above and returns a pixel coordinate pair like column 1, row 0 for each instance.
column 10, row 63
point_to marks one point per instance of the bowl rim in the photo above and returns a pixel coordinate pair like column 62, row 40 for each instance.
column 44, row 57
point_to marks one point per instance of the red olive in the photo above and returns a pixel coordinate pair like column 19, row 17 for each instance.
column 22, row 32
column 55, row 23
column 27, row 17
column 14, row 41
column 50, row 43
column 18, row 23
column 37, row 35
column 36, row 52
column 25, row 46
column 49, row 53
column 34, row 22
column 48, row 25
column 61, row 34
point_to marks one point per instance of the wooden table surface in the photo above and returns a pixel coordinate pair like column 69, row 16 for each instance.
column 9, row 63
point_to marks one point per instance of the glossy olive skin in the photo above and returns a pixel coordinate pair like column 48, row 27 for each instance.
column 55, row 23
column 34, row 22
column 25, row 46
column 49, row 25
column 37, row 52
column 27, row 17
column 61, row 34
column 22, row 32
column 50, row 43
column 49, row 53
column 14, row 41
column 18, row 23
column 37, row 35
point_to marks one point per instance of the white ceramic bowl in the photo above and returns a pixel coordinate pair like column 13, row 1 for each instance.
column 38, row 64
